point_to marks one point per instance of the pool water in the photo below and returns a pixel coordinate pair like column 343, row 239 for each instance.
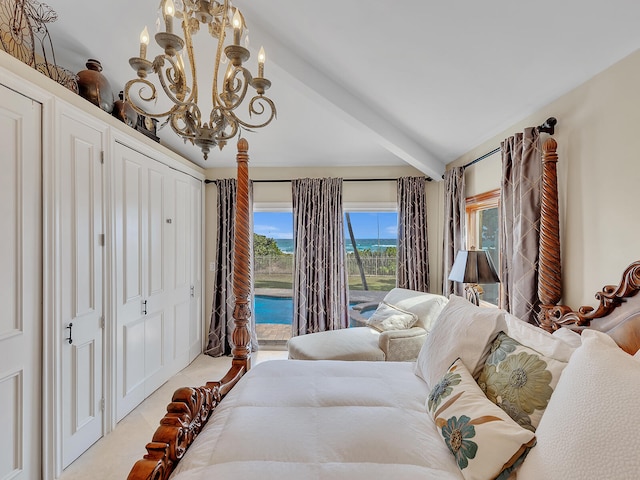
column 273, row 309
column 268, row 309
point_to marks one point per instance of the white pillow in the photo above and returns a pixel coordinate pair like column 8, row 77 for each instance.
column 484, row 440
column 462, row 330
column 569, row 336
column 389, row 317
column 590, row 427
column 527, row 334
column 426, row 306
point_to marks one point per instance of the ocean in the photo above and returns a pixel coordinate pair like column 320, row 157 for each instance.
column 373, row 244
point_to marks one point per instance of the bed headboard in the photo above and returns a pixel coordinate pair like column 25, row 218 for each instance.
column 618, row 312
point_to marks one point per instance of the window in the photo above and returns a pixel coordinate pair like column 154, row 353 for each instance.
column 483, row 233
column 375, row 235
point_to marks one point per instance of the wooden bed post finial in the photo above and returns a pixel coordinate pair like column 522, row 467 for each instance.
column 549, row 264
column 242, row 263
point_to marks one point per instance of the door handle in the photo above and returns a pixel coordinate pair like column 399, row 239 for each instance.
column 193, row 291
column 69, row 339
column 144, row 307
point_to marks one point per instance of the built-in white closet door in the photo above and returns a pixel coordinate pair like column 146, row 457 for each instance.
column 81, row 250
column 20, row 287
column 141, row 296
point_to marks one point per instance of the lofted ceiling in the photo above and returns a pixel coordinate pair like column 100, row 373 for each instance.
column 372, row 83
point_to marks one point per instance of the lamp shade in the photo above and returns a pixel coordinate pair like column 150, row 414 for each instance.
column 473, row 266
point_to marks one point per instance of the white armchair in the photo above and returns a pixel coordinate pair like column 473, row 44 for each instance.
column 394, row 332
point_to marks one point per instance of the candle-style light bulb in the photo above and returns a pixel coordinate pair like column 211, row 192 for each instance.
column 169, row 11
column 237, row 27
column 144, row 42
column 262, row 57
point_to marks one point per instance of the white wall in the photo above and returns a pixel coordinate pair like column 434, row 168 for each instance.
column 598, row 176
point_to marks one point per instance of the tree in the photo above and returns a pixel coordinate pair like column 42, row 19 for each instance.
column 265, row 246
column 355, row 251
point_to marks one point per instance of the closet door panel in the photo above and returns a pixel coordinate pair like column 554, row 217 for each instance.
column 130, row 172
column 155, row 227
column 20, row 286
column 81, row 258
column 132, row 228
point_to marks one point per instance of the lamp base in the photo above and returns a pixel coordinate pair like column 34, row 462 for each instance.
column 472, row 293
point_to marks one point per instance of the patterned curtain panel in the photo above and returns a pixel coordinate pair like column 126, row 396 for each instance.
column 413, row 254
column 520, row 223
column 454, row 226
column 320, row 277
column 221, row 327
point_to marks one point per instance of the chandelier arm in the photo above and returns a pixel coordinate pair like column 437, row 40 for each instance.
column 233, row 85
column 152, row 96
column 272, row 108
column 182, row 132
column 193, row 96
column 169, row 74
column 215, row 96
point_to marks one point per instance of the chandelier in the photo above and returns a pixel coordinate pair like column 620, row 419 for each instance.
column 230, row 82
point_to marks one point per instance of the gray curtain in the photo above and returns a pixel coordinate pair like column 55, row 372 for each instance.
column 221, row 327
column 520, row 223
column 320, row 277
column 454, row 226
column 413, row 253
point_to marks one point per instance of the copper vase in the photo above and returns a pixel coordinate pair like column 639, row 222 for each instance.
column 95, row 87
column 124, row 112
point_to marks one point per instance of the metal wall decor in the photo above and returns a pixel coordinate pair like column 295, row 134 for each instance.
column 24, row 35
column 177, row 75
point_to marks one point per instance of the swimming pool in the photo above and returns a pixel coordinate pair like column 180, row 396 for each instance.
column 273, row 309
column 268, row 309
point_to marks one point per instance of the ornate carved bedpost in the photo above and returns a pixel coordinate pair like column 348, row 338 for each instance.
column 549, row 266
column 242, row 263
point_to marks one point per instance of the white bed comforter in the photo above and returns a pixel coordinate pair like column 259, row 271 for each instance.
column 307, row 420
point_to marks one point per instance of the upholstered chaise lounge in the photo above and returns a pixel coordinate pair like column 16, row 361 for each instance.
column 395, row 331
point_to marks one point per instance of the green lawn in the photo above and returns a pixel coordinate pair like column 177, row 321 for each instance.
column 378, row 283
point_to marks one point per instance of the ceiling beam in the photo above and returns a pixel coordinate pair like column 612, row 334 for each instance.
column 348, row 106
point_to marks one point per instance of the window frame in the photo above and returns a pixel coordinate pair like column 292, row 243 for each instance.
column 473, row 206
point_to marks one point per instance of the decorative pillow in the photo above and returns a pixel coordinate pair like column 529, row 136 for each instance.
column 462, row 330
column 529, row 335
column 389, row 317
column 425, row 306
column 594, row 404
column 569, row 336
column 484, row 440
column 519, row 379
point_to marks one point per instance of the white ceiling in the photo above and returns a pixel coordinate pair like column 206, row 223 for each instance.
column 366, row 83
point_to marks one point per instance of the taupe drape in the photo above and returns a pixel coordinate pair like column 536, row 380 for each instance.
column 413, row 253
column 454, row 226
column 320, row 277
column 221, row 326
column 520, row 223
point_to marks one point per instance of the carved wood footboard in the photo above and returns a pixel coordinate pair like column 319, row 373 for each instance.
column 190, row 408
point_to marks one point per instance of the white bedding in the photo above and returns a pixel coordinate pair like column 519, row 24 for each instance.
column 322, row 420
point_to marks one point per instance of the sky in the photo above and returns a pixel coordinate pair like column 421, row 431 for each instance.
column 365, row 224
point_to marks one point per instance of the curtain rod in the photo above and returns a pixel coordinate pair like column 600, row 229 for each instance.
column 283, row 180
column 547, row 127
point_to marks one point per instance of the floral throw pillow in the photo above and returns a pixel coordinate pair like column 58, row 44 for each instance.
column 484, row 440
column 519, row 380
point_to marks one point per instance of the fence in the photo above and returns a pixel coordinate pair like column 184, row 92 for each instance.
column 283, row 264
